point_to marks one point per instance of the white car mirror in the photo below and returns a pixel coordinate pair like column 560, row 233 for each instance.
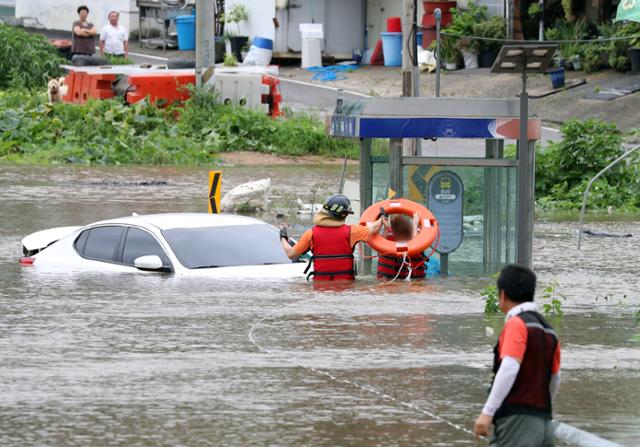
column 151, row 262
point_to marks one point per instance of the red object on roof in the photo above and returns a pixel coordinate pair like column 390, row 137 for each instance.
column 60, row 43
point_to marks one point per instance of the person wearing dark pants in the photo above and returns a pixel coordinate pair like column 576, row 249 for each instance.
column 526, row 369
column 83, row 40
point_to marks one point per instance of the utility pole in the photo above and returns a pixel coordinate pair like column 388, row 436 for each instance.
column 205, row 44
column 410, row 70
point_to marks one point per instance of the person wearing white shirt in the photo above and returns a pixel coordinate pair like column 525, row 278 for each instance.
column 113, row 38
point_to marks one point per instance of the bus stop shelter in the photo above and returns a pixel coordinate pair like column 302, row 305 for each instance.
column 484, row 202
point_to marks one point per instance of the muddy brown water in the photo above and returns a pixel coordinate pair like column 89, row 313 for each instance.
column 156, row 360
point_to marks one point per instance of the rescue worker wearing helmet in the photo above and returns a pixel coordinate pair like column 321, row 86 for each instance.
column 331, row 241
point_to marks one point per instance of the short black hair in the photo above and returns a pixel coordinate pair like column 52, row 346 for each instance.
column 83, row 8
column 517, row 282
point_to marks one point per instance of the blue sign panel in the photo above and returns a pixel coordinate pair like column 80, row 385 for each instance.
column 445, row 201
column 427, row 128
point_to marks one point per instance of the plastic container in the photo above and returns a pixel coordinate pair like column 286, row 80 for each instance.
column 557, row 77
column 260, row 52
column 419, row 38
column 262, row 42
column 186, row 29
column 312, row 35
column 634, row 55
column 394, row 25
column 392, row 49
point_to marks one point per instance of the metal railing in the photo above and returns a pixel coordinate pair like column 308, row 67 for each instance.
column 596, row 177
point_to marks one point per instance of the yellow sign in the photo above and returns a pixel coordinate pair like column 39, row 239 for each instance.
column 215, row 186
column 419, row 177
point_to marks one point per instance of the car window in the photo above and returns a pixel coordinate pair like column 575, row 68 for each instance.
column 81, row 241
column 140, row 243
column 102, row 243
column 226, row 246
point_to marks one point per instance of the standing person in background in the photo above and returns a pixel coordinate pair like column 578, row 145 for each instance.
column 83, row 39
column 113, row 38
column 526, row 366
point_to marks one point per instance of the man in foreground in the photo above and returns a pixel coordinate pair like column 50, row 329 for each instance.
column 526, row 367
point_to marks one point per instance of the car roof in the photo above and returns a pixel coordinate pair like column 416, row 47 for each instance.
column 184, row 220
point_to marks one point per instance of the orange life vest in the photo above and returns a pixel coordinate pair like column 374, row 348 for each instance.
column 332, row 253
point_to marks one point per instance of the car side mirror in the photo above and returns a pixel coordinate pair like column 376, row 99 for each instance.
column 150, row 263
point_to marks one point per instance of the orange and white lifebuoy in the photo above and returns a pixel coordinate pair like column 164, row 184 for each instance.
column 428, row 228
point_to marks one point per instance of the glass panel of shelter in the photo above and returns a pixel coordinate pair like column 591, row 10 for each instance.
column 489, row 229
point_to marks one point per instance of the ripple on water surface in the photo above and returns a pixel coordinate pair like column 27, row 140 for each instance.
column 146, row 360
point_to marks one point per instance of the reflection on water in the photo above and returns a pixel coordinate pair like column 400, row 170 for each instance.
column 146, row 360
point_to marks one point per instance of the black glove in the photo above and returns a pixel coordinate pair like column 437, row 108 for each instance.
column 284, row 234
column 382, row 213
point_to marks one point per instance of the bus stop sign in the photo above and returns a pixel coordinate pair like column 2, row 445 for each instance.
column 445, row 201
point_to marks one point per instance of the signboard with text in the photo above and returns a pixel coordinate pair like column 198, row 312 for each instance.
column 445, row 200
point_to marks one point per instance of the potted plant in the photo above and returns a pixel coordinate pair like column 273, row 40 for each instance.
column 494, row 28
column 450, row 52
column 462, row 25
column 237, row 14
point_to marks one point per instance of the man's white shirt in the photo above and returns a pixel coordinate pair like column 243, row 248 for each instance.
column 114, row 38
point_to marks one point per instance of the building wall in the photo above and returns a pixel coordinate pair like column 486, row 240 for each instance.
column 60, row 14
column 260, row 23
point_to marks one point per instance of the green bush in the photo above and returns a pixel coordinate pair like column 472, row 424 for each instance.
column 494, row 28
column 563, row 169
column 619, row 49
column 26, row 60
column 109, row 132
column 463, row 22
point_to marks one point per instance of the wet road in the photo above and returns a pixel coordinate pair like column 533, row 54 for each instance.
column 156, row 360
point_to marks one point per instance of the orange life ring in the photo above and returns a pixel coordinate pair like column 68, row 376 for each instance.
column 428, row 227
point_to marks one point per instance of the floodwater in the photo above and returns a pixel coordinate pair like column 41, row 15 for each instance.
column 156, row 360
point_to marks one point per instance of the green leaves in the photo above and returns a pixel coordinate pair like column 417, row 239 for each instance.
column 563, row 169
column 110, row 132
column 490, row 296
column 552, row 300
column 26, row 60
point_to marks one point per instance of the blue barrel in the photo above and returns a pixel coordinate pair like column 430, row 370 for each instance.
column 186, row 29
column 557, row 77
column 392, row 49
column 262, row 42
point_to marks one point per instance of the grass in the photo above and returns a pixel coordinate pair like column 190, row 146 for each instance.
column 33, row 131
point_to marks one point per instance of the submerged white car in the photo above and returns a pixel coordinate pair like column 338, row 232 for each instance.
column 188, row 244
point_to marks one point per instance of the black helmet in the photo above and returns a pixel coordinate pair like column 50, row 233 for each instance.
column 338, row 206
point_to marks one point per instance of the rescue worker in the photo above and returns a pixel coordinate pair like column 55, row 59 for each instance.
column 526, row 366
column 331, row 241
column 401, row 229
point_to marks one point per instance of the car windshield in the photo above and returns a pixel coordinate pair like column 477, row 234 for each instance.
column 210, row 247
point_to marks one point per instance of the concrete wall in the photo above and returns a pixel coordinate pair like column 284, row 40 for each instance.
column 377, row 13
column 60, row 14
column 260, row 23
